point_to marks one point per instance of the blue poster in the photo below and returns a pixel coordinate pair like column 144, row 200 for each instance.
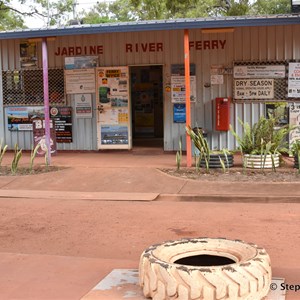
column 179, row 113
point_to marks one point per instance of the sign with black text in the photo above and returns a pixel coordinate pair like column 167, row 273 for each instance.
column 62, row 117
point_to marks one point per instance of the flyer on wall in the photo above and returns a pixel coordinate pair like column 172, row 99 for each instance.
column 113, row 107
column 294, row 80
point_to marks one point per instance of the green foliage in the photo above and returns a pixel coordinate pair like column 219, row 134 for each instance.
column 16, row 159
column 201, row 144
column 295, row 148
column 2, row 152
column 271, row 7
column 179, row 156
column 33, row 155
column 262, row 136
column 9, row 18
column 134, row 10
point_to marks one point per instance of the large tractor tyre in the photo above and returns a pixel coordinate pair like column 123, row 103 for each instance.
column 235, row 270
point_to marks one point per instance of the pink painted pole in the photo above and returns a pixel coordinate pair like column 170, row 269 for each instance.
column 187, row 96
column 46, row 96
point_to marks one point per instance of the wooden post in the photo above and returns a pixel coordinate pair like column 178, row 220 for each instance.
column 187, row 96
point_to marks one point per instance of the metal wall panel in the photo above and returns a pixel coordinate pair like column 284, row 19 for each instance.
column 247, row 43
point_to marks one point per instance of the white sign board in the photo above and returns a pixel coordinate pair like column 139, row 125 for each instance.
column 294, row 80
column 178, row 88
column 80, row 81
column 254, row 89
column 83, row 106
column 294, row 121
column 276, row 71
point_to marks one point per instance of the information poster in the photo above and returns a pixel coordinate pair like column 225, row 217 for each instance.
column 113, row 108
column 80, row 81
column 39, row 136
column 294, row 116
column 178, row 83
column 294, row 80
column 19, row 118
column 83, row 106
column 179, row 113
column 62, row 117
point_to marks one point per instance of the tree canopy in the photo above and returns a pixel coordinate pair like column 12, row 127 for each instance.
column 58, row 12
column 130, row 10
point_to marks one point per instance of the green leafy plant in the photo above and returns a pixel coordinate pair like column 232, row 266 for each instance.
column 16, row 159
column 201, row 144
column 2, row 152
column 33, row 155
column 295, row 148
column 179, row 155
column 255, row 139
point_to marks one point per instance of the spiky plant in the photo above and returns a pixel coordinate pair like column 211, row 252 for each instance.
column 201, row 144
column 16, row 159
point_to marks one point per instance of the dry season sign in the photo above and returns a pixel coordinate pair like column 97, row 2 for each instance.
column 254, row 89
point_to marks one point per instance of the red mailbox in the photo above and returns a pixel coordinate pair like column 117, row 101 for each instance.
column 222, row 113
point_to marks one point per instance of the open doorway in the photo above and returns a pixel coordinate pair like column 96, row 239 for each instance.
column 147, row 105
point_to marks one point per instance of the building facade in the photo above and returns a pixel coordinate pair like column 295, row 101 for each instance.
column 252, row 62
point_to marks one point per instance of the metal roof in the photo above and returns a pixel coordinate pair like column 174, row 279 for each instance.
column 220, row 22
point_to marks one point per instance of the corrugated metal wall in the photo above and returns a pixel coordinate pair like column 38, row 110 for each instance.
column 249, row 43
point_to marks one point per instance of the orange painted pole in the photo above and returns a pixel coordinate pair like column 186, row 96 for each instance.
column 187, row 95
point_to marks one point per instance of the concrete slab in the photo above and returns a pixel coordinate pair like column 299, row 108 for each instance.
column 123, row 284
column 66, row 195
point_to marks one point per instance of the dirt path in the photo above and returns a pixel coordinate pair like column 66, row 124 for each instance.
column 122, row 230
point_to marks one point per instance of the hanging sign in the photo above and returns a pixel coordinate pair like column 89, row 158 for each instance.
column 62, row 117
column 254, row 89
column 83, row 106
column 259, row 71
column 294, row 80
column 80, row 81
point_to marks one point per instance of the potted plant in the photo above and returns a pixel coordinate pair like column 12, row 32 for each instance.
column 209, row 158
column 262, row 144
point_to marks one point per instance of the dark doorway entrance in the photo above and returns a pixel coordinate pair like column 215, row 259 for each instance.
column 147, row 105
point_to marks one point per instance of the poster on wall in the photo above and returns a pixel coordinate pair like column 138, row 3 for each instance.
column 178, row 83
column 259, row 71
column 28, row 55
column 179, row 113
column 178, row 88
column 19, row 118
column 39, row 136
column 62, row 117
column 254, row 89
column 294, row 80
column 81, row 81
column 83, row 106
column 113, row 107
column 114, row 135
column 294, row 117
column 81, row 62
